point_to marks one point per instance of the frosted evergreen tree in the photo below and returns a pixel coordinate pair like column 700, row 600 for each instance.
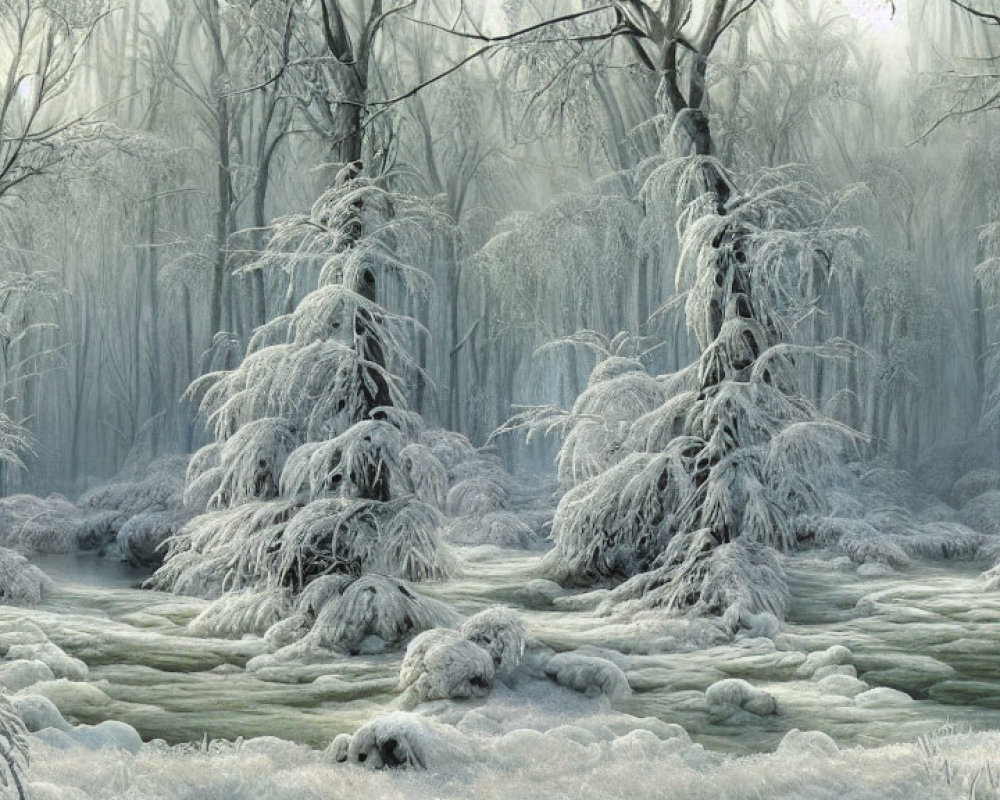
column 687, row 485
column 316, row 467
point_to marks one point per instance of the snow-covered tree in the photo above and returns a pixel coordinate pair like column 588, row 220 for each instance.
column 687, row 484
column 308, row 473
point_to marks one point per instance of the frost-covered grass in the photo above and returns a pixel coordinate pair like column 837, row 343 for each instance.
column 588, row 760
column 862, row 657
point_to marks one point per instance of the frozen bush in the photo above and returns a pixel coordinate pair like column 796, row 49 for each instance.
column 39, row 525
column 619, row 392
column 411, row 545
column 477, row 496
column 141, row 539
column 881, row 550
column 974, row 483
column 427, row 475
column 241, row 612
column 982, row 513
column 747, row 575
column 375, row 613
column 21, row 582
column 229, row 549
column 499, row 528
column 98, row 529
column 742, row 574
column 321, row 591
column 942, row 464
column 448, row 447
column 14, row 736
column 442, row 665
column 152, row 487
column 500, row 632
column 895, row 483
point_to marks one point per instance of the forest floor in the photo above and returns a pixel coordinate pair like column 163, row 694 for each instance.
column 920, row 675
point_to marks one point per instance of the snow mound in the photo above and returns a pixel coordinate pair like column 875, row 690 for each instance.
column 982, row 513
column 110, row 735
column 726, row 697
column 38, row 712
column 882, row 696
column 596, row 760
column 845, row 685
column 21, row 673
column 392, row 741
column 449, row 447
column 54, row 657
column 808, row 743
column 442, row 665
column 542, row 593
column 837, row 655
column 588, row 675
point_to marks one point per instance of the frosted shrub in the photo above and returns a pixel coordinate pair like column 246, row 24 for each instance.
column 500, row 632
column 499, row 528
column 426, row 474
column 477, row 496
column 21, row 582
column 974, row 483
column 445, row 664
column 982, row 513
column 139, row 490
column 442, row 665
column 39, row 525
column 238, row 613
column 142, row 537
column 13, row 746
column 375, row 613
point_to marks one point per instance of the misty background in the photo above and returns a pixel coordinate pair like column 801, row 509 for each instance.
column 148, row 154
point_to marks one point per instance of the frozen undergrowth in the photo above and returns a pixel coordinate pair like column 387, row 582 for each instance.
column 593, row 758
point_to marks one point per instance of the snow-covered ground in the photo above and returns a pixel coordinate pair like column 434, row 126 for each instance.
column 872, row 666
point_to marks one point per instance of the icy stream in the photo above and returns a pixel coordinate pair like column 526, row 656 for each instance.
column 930, row 632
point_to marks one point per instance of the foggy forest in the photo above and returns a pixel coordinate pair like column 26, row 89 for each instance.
column 499, row 399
